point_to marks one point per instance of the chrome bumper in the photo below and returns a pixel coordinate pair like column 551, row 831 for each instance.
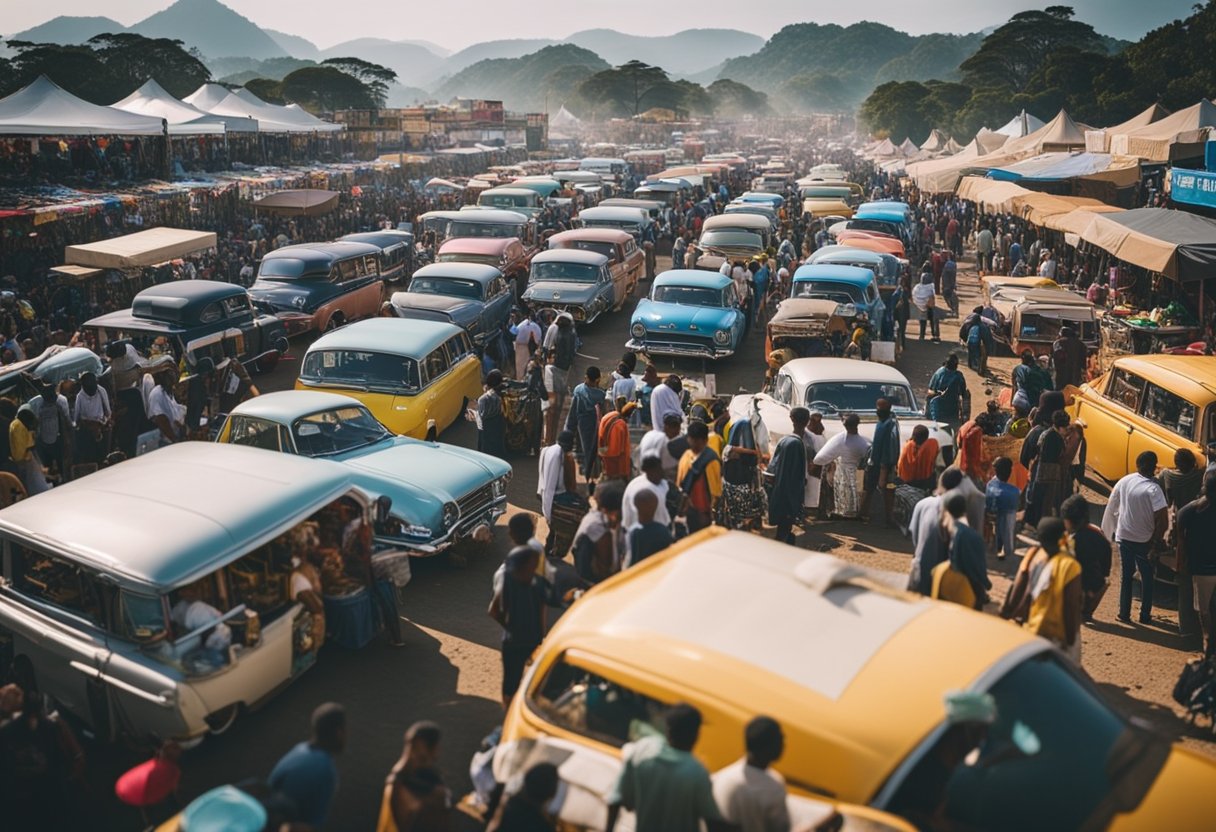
column 464, row 528
column 692, row 350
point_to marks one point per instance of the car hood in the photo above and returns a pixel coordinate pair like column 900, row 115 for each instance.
column 552, row 290
column 704, row 318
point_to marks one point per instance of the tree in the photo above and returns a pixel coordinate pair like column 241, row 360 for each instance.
column 1010, row 56
column 900, row 109
column 323, row 89
column 266, row 89
column 732, row 99
column 822, row 91
column 78, row 69
column 626, row 90
column 132, row 59
column 377, row 78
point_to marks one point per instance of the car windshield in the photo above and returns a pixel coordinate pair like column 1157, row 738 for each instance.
column 506, row 201
column 336, row 431
column 283, row 268
column 619, row 225
column 859, row 396
column 1055, row 743
column 730, row 239
column 447, row 286
column 469, row 228
column 461, row 257
column 606, row 249
column 827, row 290
column 565, row 272
column 361, row 369
column 688, row 295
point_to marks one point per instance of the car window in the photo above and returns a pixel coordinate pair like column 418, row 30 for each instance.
column 211, row 313
column 371, row 370
column 436, row 364
column 783, row 390
column 58, row 582
column 256, row 433
column 857, row 396
column 458, row 346
column 1211, row 433
column 1125, row 388
column 1169, row 410
column 347, row 270
column 586, row 703
column 236, row 305
column 336, row 431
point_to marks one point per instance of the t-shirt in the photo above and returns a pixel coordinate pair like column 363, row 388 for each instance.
column 1000, row 497
column 655, row 443
column 663, row 400
column 1198, row 522
column 702, row 490
column 885, row 447
column 629, row 513
column 522, row 604
column 917, row 462
column 1092, row 550
column 668, row 790
column 647, row 539
column 752, row 798
column 190, row 615
column 306, row 775
column 849, row 448
column 1130, row 511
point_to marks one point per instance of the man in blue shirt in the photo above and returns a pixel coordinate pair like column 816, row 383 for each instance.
column 880, row 471
column 306, row 774
column 1001, row 503
column 946, row 390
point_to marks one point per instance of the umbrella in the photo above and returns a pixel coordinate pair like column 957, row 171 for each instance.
column 298, row 203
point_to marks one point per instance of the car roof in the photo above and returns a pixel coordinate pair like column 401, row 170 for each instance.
column 476, row 245
column 836, row 272
column 570, row 255
column 289, row 405
column 809, row 638
column 1184, row 374
column 510, row 190
column 449, row 304
column 322, row 252
column 496, row 216
column 693, row 277
column 597, row 235
column 829, row 253
column 395, row 336
column 738, row 219
column 381, row 239
column 480, row 272
column 169, row 517
column 806, row 370
column 610, row 212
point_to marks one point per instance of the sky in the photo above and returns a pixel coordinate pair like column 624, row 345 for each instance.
column 455, row 24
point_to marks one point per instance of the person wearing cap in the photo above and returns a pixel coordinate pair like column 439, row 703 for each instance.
column 519, row 608
column 1070, row 356
column 306, row 774
column 614, row 444
column 1047, row 265
column 1047, row 592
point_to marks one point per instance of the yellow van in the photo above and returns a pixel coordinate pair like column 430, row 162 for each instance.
column 416, row 377
column 1146, row 403
column 856, row 674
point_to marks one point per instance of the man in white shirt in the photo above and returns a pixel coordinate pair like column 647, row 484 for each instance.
column 748, row 793
column 527, row 331
column 1136, row 518
column 664, row 399
column 164, row 410
column 651, row 479
column 847, row 450
column 92, row 417
column 655, row 442
column 1047, row 268
column 191, row 612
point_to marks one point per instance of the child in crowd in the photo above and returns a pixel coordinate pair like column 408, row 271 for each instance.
column 1001, row 505
column 647, row 537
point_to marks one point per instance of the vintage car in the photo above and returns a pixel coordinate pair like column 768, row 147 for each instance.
column 416, row 377
column 92, row 570
column 441, row 493
column 688, row 312
column 545, row 186
column 809, row 328
column 728, row 242
column 474, row 296
column 870, row 240
column 507, row 254
column 396, row 252
column 578, row 282
column 826, row 208
column 776, row 200
column 626, row 260
column 1143, row 403
column 22, row 380
column 521, row 199
column 835, row 386
column 1037, row 315
column 621, row 218
column 436, row 222
column 843, row 284
column 320, row 286
column 992, row 284
column 819, row 645
column 760, row 209
column 193, row 316
column 475, row 221
column 650, row 206
column 886, row 267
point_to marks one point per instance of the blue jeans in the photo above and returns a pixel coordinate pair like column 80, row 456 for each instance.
column 1006, row 525
column 1134, row 556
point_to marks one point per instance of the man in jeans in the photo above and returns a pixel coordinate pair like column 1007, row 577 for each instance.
column 1136, row 519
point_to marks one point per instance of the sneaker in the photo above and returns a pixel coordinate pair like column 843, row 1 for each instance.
column 1126, row 619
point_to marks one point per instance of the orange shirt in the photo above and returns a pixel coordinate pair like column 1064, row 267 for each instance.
column 918, row 462
column 614, row 445
column 971, row 451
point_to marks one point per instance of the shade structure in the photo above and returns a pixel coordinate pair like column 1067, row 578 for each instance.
column 1177, row 244
column 1035, row 207
column 43, row 108
column 207, row 96
column 1098, row 141
column 437, row 184
column 143, row 248
column 305, row 202
column 1123, row 171
column 1177, row 136
column 151, row 99
column 935, row 143
column 1023, row 124
column 271, row 118
column 908, row 148
column 941, row 175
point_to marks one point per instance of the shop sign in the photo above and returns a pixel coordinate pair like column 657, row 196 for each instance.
column 1193, row 187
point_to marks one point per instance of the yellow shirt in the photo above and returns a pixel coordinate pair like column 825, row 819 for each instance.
column 713, row 476
column 20, row 441
column 1046, row 616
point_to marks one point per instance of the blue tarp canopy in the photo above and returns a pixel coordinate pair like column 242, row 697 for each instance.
column 1054, row 167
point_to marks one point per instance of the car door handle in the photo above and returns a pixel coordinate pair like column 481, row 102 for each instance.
column 1131, row 428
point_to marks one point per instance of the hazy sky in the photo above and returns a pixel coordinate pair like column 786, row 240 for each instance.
column 457, row 23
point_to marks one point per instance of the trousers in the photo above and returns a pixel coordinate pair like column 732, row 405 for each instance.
column 1134, row 558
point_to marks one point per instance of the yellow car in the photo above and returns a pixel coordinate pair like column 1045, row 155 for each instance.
column 856, row 673
column 1146, row 403
column 416, row 377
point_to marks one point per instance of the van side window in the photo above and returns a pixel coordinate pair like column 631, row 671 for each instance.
column 57, row 582
column 347, row 270
column 458, row 346
column 1125, row 388
column 256, row 433
column 1169, row 410
column 585, row 703
column 436, row 364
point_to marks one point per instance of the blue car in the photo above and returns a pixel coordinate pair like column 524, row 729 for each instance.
column 763, row 197
column 440, row 493
column 688, row 312
column 843, row 284
column 471, row 295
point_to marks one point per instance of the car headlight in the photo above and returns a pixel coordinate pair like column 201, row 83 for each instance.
column 298, row 301
column 451, row 513
column 722, row 336
column 638, row 330
column 578, row 313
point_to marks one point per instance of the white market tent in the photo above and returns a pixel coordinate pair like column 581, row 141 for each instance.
column 207, row 96
column 908, row 148
column 143, row 248
column 564, row 120
column 43, row 108
column 153, row 100
column 1023, row 124
column 1177, row 136
column 1098, row 141
column 271, row 118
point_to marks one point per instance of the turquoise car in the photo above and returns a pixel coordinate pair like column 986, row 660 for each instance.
column 843, row 284
column 440, row 493
column 688, row 312
column 776, row 200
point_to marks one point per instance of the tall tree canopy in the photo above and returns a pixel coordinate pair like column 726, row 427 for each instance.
column 1013, row 53
column 375, row 77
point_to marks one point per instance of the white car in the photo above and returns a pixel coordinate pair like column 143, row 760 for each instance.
column 835, row 386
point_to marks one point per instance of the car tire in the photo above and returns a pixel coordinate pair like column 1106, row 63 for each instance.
column 223, row 719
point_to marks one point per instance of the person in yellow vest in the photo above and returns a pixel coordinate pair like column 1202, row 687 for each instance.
column 1046, row 597
column 963, row 577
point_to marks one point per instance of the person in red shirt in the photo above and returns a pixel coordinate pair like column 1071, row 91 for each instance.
column 918, row 459
column 971, row 458
column 952, row 238
column 614, row 443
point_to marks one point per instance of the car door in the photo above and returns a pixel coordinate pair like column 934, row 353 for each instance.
column 435, row 394
column 1107, row 413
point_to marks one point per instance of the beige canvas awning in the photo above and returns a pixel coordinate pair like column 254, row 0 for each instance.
column 143, row 248
column 1176, row 136
column 76, row 272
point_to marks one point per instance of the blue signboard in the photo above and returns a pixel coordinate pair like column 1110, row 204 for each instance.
column 1193, row 187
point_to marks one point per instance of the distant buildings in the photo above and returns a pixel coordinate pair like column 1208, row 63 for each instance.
column 465, row 122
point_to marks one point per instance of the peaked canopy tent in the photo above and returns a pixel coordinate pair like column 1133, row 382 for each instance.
column 207, row 96
column 1098, row 141
column 1178, row 136
column 935, row 143
column 908, row 148
column 44, row 108
column 941, row 175
column 270, row 118
column 952, row 146
column 143, row 248
column 153, row 100
column 1177, row 244
column 1023, row 124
